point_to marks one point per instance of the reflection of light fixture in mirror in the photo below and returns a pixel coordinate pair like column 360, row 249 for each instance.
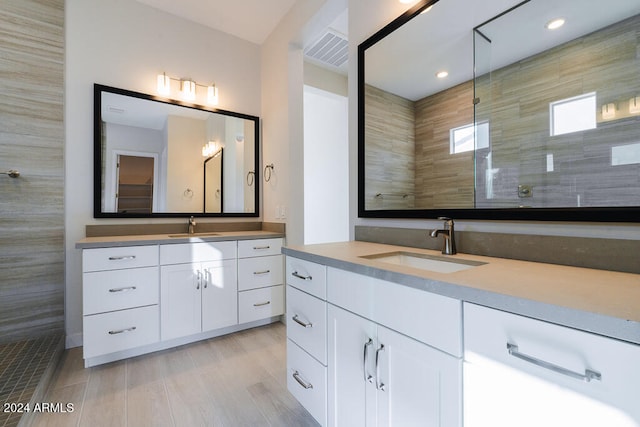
column 609, row 111
column 188, row 89
column 442, row 74
column 554, row 24
column 212, row 95
column 426, row 10
column 634, row 105
column 212, row 149
column 164, row 84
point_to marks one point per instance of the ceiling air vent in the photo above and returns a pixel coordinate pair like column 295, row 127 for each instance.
column 330, row 49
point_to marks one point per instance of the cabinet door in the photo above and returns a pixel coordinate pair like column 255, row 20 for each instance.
column 180, row 296
column 417, row 384
column 351, row 396
column 219, row 294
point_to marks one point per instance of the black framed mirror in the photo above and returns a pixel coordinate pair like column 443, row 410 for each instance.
column 155, row 157
column 482, row 141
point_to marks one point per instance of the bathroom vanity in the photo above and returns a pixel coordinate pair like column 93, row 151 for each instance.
column 147, row 293
column 388, row 335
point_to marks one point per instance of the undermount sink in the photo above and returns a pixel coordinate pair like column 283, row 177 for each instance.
column 183, row 235
column 438, row 264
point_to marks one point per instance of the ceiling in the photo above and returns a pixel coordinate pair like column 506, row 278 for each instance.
column 251, row 20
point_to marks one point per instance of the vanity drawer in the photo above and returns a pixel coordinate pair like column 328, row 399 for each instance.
column 433, row 319
column 260, row 303
column 260, row 272
column 307, row 381
column 119, row 289
column 100, row 259
column 307, row 276
column 307, row 323
column 551, row 351
column 259, row 247
column 120, row 330
column 182, row 253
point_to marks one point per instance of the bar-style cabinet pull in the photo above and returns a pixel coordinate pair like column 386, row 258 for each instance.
column 257, row 273
column 122, row 331
column 122, row 258
column 365, row 359
column 260, row 304
column 379, row 384
column 125, row 289
column 299, row 276
column 587, row 376
column 296, row 319
column 303, row 383
column 261, row 248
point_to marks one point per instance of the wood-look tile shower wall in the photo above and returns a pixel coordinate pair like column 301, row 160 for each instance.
column 515, row 101
column 31, row 141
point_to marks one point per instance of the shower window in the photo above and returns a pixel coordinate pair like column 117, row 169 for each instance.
column 573, row 114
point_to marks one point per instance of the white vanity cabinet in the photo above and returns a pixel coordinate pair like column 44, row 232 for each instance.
column 260, row 279
column 381, row 372
column 307, row 335
column 120, row 299
column 526, row 372
column 198, row 288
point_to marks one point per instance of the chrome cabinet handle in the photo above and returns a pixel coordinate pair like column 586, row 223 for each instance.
column 260, row 304
column 207, row 275
column 126, row 289
column 303, row 383
column 261, row 248
column 122, row 258
column 379, row 384
column 122, row 331
column 299, row 276
column 365, row 359
column 261, row 272
column 296, row 319
column 587, row 376
column 199, row 280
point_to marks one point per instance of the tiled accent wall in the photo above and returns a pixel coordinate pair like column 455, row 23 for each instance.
column 32, row 141
column 390, row 154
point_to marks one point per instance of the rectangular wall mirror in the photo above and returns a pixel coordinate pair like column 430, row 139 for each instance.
column 159, row 158
column 497, row 115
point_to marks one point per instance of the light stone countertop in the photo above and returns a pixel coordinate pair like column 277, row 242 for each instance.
column 598, row 301
column 163, row 239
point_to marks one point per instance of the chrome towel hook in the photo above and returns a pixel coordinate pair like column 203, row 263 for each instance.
column 267, row 172
column 12, row 173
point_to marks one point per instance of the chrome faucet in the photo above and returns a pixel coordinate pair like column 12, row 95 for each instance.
column 449, row 244
column 192, row 225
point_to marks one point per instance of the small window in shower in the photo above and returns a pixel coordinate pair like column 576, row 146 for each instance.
column 573, row 114
column 468, row 138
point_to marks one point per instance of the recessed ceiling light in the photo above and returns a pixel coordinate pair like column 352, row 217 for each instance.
column 442, row 74
column 555, row 24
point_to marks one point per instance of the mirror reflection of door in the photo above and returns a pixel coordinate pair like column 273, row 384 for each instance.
column 213, row 183
column 135, row 184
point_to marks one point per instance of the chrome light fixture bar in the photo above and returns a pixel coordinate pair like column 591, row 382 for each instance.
column 187, row 88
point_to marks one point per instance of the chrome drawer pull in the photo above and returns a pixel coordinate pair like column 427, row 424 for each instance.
column 260, row 304
column 261, row 248
column 299, row 276
column 127, row 289
column 261, row 272
column 367, row 376
column 122, row 331
column 303, row 383
column 301, row 323
column 122, row 258
column 379, row 384
column 587, row 376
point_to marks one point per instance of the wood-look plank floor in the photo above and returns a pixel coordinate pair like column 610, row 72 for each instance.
column 235, row 380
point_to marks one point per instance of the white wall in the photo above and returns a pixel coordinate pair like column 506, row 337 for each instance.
column 326, row 167
column 365, row 18
column 125, row 44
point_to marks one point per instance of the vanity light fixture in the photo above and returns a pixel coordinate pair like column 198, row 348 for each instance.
column 609, row 111
column 426, row 10
column 634, row 105
column 554, row 24
column 187, row 88
column 442, row 74
column 212, row 149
